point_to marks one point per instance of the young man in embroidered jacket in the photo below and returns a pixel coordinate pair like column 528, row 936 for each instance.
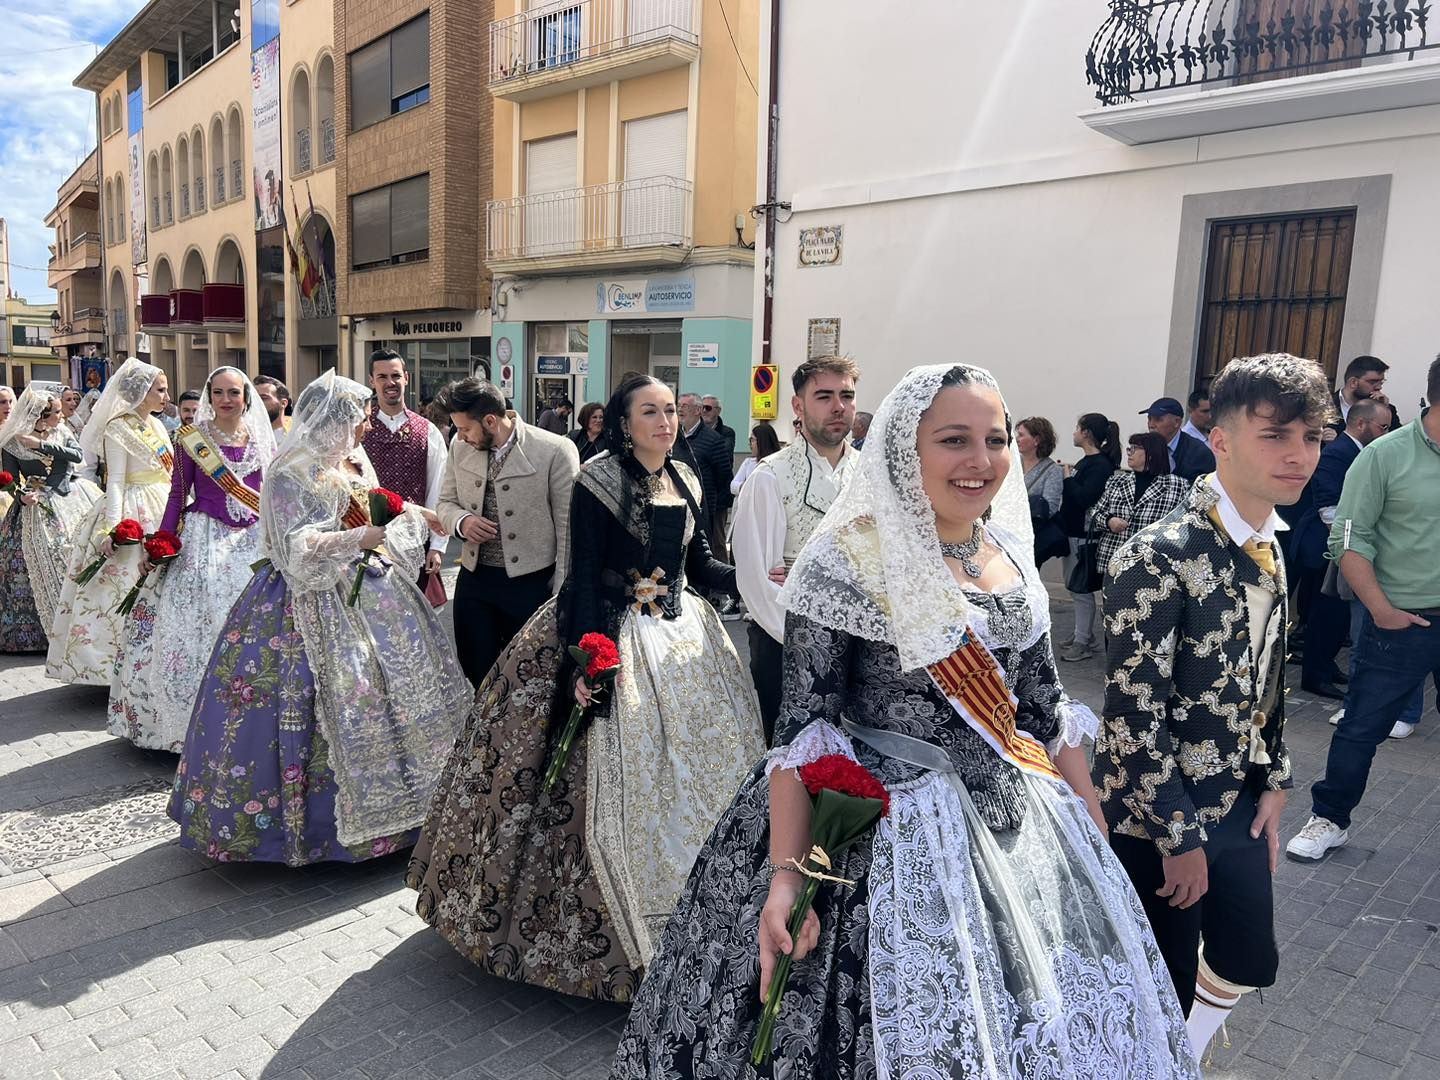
column 1191, row 765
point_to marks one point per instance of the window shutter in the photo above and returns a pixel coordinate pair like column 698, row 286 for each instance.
column 370, row 227
column 370, row 84
column 410, row 216
column 410, row 57
column 551, row 164
column 655, row 146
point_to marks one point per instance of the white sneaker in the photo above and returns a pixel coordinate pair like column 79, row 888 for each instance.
column 1402, row 730
column 1319, row 836
column 1336, row 717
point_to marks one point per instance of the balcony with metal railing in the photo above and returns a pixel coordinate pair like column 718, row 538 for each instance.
column 1165, row 69
column 327, row 141
column 572, row 43
column 626, row 223
column 199, row 194
column 303, row 161
column 219, row 184
column 82, row 253
column 237, row 178
column 86, row 325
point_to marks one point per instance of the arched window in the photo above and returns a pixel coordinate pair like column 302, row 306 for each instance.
column 122, row 205
column 217, row 159
column 325, row 108
column 106, row 119
column 152, row 185
column 182, row 169
column 109, row 210
column 118, row 309
column 167, row 185
column 229, row 266
column 117, row 112
column 300, row 110
column 235, row 181
column 197, row 169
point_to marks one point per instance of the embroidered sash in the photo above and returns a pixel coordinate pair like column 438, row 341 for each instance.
column 210, row 460
column 971, row 680
column 356, row 515
column 152, row 442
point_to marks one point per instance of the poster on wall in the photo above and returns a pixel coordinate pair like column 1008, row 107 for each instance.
column 822, row 338
column 265, row 107
column 135, row 122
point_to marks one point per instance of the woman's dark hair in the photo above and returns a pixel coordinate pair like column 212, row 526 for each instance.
column 1043, row 433
column 1103, row 432
column 587, row 410
column 617, row 409
column 474, row 397
column 1157, row 452
column 766, row 441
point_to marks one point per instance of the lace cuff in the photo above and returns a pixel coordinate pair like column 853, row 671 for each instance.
column 817, row 739
column 1077, row 723
column 326, row 544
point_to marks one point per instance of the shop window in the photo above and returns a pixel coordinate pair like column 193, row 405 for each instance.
column 390, row 225
column 391, row 75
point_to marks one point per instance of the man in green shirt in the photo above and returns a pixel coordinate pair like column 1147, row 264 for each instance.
column 1386, row 536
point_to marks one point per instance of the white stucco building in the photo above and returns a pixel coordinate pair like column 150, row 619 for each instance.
column 992, row 209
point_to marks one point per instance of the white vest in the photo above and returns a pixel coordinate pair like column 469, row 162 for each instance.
column 808, row 485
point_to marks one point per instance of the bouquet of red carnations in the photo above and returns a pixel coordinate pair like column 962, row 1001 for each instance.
column 126, row 534
column 161, row 547
column 599, row 658
column 385, row 507
column 845, row 803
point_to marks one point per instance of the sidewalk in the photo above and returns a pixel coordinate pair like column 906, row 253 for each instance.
column 123, row 956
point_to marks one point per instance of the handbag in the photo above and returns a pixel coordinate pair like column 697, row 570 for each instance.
column 434, row 589
column 1085, row 576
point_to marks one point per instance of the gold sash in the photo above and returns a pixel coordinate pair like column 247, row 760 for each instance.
column 211, row 461
column 971, row 680
column 156, row 444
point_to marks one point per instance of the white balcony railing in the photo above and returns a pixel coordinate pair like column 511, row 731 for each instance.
column 568, row 31
column 655, row 211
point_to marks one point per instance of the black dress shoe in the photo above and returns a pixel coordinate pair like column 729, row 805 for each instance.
column 1340, row 678
column 1321, row 688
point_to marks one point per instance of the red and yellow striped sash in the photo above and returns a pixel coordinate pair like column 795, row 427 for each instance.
column 211, row 461
column 972, row 681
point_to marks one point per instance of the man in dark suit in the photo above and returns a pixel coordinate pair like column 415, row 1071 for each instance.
column 1364, row 381
column 705, row 452
column 1189, row 457
column 1328, row 617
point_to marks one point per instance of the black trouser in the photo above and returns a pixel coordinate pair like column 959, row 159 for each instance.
column 1327, row 621
column 766, row 664
column 1236, row 916
column 490, row 608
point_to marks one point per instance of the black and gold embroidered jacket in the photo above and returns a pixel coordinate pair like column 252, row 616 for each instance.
column 1181, row 707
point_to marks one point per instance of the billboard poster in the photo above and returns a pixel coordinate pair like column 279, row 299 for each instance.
column 265, row 107
column 135, row 121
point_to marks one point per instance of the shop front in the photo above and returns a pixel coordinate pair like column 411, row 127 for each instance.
column 438, row 347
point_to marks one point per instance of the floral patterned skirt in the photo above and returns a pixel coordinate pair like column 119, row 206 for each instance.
column 171, row 633
column 959, row 951
column 254, row 781
column 20, row 628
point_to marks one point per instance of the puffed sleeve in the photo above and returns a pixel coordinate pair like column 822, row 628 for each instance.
column 117, row 462
column 814, row 689
column 1045, row 710
column 182, row 479
column 582, row 608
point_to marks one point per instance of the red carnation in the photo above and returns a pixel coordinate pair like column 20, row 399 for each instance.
column 6, row 479
column 836, row 772
column 162, row 546
column 128, row 531
column 392, row 500
column 602, row 652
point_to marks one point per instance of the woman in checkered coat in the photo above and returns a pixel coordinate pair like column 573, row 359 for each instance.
column 1145, row 493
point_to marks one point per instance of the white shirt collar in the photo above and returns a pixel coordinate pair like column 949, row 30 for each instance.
column 690, row 432
column 394, row 423
column 1356, row 441
column 821, row 462
column 1193, row 431
column 1240, row 530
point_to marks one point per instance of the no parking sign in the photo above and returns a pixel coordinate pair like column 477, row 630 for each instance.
column 764, row 395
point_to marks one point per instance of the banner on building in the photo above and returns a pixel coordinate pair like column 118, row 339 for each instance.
column 265, row 108
column 135, row 123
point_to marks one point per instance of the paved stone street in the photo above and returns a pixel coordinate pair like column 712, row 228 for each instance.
column 123, row 956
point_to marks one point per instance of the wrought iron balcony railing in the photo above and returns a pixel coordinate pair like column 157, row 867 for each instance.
column 237, row 178
column 1156, row 45
column 327, row 141
column 628, row 214
column 568, row 31
column 302, row 150
column 219, row 184
column 199, row 194
column 184, row 200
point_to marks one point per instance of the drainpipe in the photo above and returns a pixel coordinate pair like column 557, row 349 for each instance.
column 772, row 181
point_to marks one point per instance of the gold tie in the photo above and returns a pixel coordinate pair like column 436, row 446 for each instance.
column 1263, row 552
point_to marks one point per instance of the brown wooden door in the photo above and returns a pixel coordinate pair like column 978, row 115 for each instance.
column 1276, row 284
column 1278, row 39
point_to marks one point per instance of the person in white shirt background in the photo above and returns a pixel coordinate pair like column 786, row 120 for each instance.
column 780, row 504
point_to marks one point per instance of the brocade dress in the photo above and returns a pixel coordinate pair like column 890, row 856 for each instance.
column 990, row 932
column 172, row 630
column 570, row 889
column 319, row 729
column 35, row 541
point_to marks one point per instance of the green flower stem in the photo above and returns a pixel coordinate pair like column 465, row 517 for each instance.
column 561, row 757
column 359, row 578
column 765, row 1033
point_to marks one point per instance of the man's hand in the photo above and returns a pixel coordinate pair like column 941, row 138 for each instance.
column 479, row 530
column 1328, row 435
column 1187, row 877
column 778, row 574
column 1117, row 525
column 1267, row 822
column 433, row 561
column 1393, row 618
column 432, row 519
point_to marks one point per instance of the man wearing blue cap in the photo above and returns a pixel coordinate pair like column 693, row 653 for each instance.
column 1189, row 457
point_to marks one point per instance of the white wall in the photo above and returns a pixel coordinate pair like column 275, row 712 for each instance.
column 994, row 227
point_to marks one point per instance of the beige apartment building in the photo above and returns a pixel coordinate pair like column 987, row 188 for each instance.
column 74, row 272
column 413, row 176
column 201, row 204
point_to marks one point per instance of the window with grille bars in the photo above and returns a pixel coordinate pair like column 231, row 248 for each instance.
column 1276, row 284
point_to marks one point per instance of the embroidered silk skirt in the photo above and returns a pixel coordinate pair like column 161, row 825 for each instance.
column 21, row 628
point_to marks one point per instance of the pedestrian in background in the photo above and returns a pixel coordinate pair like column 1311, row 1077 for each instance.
column 1098, row 439
column 556, row 419
column 763, row 443
column 1044, row 484
column 589, row 433
column 1190, row 457
column 189, row 405
column 704, row 451
column 1141, row 495
column 861, row 429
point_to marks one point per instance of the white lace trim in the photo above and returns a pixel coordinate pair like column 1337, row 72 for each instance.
column 815, row 740
column 1078, row 722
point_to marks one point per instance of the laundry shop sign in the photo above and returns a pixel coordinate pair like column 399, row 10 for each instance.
column 639, row 296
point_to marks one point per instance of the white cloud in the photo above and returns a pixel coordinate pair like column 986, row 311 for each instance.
column 47, row 126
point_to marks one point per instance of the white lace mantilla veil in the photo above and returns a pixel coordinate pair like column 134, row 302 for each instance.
column 256, row 419
column 24, row 414
column 873, row 567
column 81, row 416
column 123, row 394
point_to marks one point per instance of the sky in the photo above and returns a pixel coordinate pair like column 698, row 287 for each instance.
column 47, row 126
